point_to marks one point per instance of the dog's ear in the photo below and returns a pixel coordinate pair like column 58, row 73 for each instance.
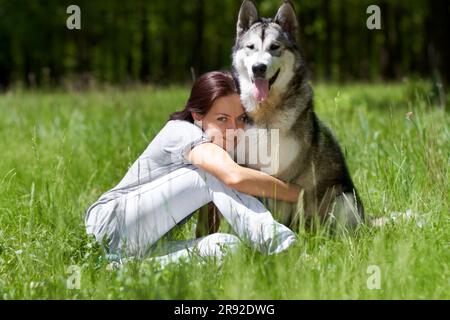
column 248, row 15
column 287, row 18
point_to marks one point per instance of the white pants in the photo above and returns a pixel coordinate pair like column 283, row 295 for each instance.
column 137, row 219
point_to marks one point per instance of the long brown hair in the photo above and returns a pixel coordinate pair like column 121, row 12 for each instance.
column 206, row 89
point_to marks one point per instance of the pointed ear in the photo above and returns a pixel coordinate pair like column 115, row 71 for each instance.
column 248, row 15
column 287, row 18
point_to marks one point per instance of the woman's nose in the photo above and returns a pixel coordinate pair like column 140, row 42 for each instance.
column 231, row 129
column 232, row 125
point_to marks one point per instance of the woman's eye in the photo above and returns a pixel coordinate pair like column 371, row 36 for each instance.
column 274, row 47
column 251, row 46
column 222, row 119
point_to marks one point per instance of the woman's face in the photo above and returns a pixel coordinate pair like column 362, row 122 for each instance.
column 223, row 120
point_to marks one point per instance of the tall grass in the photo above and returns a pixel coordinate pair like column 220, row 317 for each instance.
column 61, row 150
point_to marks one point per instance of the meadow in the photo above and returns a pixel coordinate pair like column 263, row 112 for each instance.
column 62, row 149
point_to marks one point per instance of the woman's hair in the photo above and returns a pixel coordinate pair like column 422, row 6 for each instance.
column 206, row 89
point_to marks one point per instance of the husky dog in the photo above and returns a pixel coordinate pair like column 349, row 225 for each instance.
column 274, row 89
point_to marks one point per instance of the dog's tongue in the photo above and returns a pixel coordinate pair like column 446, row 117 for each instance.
column 260, row 89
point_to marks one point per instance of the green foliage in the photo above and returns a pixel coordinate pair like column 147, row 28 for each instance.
column 159, row 41
column 61, row 150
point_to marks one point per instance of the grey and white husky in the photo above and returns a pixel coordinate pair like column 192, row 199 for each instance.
column 274, row 90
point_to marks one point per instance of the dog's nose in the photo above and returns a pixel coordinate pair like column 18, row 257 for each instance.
column 259, row 70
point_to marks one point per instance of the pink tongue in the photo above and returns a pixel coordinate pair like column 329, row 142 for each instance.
column 261, row 89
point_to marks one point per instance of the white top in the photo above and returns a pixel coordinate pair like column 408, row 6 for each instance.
column 165, row 153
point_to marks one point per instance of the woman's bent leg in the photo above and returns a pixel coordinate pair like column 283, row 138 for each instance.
column 154, row 208
column 248, row 217
column 146, row 213
column 214, row 245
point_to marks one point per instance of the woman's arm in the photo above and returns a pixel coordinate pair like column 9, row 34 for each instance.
column 215, row 160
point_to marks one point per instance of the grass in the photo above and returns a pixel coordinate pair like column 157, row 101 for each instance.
column 61, row 150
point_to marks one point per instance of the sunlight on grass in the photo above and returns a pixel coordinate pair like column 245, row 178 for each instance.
column 61, row 150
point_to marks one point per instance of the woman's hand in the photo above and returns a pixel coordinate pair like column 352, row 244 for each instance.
column 215, row 160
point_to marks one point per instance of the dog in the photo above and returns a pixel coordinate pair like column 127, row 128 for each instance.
column 271, row 76
column 273, row 84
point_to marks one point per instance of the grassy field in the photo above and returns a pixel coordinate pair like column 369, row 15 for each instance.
column 61, row 150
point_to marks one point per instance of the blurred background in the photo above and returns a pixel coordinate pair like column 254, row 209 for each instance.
column 77, row 107
column 162, row 41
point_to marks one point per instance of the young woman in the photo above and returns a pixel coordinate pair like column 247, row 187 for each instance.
column 187, row 166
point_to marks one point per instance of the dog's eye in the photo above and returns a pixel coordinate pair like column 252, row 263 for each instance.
column 274, row 47
column 251, row 46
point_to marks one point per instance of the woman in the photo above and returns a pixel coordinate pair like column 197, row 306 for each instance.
column 186, row 166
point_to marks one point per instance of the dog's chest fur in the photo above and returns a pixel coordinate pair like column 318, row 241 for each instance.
column 285, row 148
column 288, row 148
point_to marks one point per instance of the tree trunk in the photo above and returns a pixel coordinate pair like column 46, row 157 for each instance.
column 438, row 48
column 197, row 50
column 144, row 71
column 328, row 38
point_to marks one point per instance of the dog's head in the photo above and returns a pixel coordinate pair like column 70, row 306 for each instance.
column 265, row 54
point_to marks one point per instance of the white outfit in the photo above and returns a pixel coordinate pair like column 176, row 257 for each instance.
column 162, row 189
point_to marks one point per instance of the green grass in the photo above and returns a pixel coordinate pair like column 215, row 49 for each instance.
column 61, row 150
